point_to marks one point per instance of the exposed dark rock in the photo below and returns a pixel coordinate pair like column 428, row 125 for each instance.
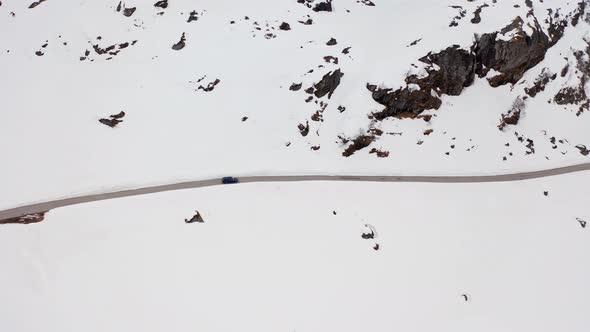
column 511, row 58
column 576, row 95
column 368, row 3
column 26, row 219
column 39, row 53
column 513, row 116
column 456, row 19
column 35, row 4
column 569, row 95
column 162, row 4
column 477, row 14
column 285, row 26
column 119, row 115
column 210, row 87
column 456, row 71
column 331, row 42
column 368, row 236
column 309, row 21
column 358, row 143
column 295, row 86
column 415, row 42
column 323, row 6
column 110, row 122
column 380, row 153
column 195, row 218
column 583, row 150
column 331, row 59
column 244, row 118
column 113, row 120
column 565, row 69
column 181, row 43
column 303, row 129
column 328, row 84
column 100, row 51
column 129, row 11
column 539, row 85
column 455, row 68
column 346, row 50
column 579, row 13
column 119, row 6
column 193, row 16
column 557, row 25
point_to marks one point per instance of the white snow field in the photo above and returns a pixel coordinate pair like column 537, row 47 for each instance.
column 274, row 257
column 213, row 88
column 58, row 80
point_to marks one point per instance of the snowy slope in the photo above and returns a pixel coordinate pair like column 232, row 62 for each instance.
column 275, row 257
column 53, row 145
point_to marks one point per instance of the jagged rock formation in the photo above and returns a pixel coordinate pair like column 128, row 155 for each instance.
column 508, row 53
column 512, row 57
column 455, row 70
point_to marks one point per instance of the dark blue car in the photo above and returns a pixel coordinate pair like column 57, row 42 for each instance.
column 229, row 180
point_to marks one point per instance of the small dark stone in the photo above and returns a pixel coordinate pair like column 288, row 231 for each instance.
column 181, row 43
column 331, row 42
column 162, row 4
column 285, row 26
column 193, row 16
column 129, row 11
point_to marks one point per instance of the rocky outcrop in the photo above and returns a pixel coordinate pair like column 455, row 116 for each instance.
column 510, row 57
column 328, row 84
column 358, row 143
column 540, row 83
column 513, row 115
column 454, row 71
column 508, row 53
column 576, row 95
column 26, row 219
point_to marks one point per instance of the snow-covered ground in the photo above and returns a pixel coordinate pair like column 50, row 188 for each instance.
column 206, row 87
column 275, row 257
column 52, row 144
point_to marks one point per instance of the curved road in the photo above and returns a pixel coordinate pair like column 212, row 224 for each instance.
column 46, row 206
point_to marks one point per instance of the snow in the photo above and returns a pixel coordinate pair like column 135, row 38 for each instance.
column 54, row 146
column 274, row 257
column 282, row 256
